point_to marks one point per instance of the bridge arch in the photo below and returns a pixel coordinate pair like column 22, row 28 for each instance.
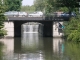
column 47, row 27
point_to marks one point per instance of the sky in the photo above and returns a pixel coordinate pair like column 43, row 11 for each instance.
column 27, row 2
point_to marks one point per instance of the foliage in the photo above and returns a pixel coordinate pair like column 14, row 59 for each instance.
column 50, row 6
column 3, row 32
column 72, row 29
column 28, row 8
column 2, row 18
column 46, row 6
column 13, row 5
column 39, row 5
column 65, row 9
column 70, row 4
column 53, row 5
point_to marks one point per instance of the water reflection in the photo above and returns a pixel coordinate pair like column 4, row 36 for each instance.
column 58, row 48
column 38, row 48
column 31, row 42
column 1, row 53
column 48, row 48
column 72, row 50
column 30, row 47
column 8, row 49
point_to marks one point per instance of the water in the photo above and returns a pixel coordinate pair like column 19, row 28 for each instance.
column 38, row 48
column 32, row 46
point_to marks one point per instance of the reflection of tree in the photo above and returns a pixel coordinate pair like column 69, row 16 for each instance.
column 72, row 51
column 1, row 47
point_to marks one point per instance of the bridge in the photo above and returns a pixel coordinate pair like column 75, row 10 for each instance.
column 48, row 23
column 43, row 18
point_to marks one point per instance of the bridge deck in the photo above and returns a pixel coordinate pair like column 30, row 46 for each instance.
column 38, row 18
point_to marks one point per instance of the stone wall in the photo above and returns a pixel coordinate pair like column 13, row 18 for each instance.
column 9, row 26
column 56, row 31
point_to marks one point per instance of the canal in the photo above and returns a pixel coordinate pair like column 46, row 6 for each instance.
column 34, row 47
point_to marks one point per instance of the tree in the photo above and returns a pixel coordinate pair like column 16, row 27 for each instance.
column 2, row 18
column 39, row 5
column 70, row 4
column 46, row 6
column 28, row 8
column 13, row 5
column 72, row 30
column 49, row 6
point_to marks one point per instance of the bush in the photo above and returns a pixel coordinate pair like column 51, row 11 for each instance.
column 72, row 29
column 3, row 32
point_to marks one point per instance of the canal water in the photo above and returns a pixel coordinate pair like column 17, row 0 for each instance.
column 34, row 47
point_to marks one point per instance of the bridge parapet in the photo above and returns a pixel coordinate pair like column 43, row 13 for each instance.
column 43, row 18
